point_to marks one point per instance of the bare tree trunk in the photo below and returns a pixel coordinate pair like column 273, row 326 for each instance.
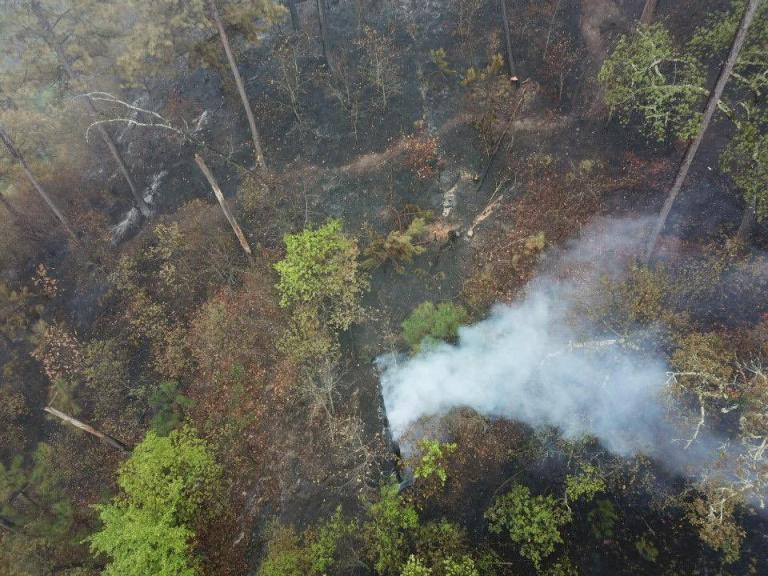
column 295, row 22
column 709, row 112
column 744, row 232
column 321, row 22
column 649, row 11
column 6, row 139
column 116, row 444
column 508, row 39
column 223, row 203
column 63, row 59
column 258, row 151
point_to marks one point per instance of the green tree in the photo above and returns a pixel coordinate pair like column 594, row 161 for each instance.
column 167, row 483
column 321, row 284
column 139, row 543
column 174, row 474
column 647, row 79
column 585, row 485
column 428, row 323
column 532, row 522
column 389, row 531
column 56, row 47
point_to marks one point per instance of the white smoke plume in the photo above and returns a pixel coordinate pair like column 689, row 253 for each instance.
column 529, row 362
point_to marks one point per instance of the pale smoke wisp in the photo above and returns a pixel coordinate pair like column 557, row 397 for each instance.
column 525, row 362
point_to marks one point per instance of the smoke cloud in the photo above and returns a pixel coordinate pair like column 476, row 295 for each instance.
column 534, row 361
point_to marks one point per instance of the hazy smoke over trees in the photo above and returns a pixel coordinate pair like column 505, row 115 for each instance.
column 540, row 362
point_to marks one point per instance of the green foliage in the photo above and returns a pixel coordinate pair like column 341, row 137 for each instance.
column 312, row 553
column 432, row 461
column 745, row 159
column 532, row 522
column 166, row 483
column 463, row 566
column 648, row 79
column 168, row 405
column 389, row 530
column 602, row 519
column 440, row 541
column 428, row 323
column 171, row 475
column 320, row 270
column 646, row 548
column 140, row 543
column 585, row 486
column 713, row 40
column 415, row 567
column 397, row 247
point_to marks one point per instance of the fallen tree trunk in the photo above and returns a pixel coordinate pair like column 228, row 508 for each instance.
column 116, row 444
column 223, row 203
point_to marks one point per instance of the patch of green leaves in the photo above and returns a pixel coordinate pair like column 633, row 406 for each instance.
column 429, row 323
column 532, row 522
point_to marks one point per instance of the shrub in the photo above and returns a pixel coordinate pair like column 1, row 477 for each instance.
column 433, row 455
column 585, row 485
column 532, row 522
column 320, row 269
column 312, row 553
column 389, row 530
column 428, row 323
column 397, row 247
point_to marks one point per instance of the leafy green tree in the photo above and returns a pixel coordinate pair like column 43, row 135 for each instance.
column 429, row 323
column 532, row 522
column 320, row 268
column 140, row 543
column 648, row 79
column 322, row 284
column 174, row 474
column 167, row 483
column 389, row 531
column 463, row 566
column 745, row 159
